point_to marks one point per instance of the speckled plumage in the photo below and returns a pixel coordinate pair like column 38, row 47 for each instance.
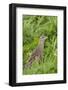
column 37, row 52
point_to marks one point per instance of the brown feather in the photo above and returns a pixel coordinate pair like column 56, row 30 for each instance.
column 37, row 53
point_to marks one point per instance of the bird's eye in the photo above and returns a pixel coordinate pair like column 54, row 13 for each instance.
column 43, row 37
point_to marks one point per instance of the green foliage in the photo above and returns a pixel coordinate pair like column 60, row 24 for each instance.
column 33, row 28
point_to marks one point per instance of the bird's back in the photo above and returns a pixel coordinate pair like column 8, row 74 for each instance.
column 36, row 53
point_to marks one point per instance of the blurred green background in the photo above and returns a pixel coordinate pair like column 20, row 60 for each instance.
column 33, row 28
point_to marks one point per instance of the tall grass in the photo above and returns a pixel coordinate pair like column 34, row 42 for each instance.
column 33, row 28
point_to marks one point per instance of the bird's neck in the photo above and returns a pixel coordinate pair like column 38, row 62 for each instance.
column 41, row 44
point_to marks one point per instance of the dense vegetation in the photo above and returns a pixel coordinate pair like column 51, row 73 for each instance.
column 33, row 28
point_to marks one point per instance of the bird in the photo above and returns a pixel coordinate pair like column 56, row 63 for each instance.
column 37, row 53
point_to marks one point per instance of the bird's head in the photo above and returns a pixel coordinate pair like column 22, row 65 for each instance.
column 43, row 38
